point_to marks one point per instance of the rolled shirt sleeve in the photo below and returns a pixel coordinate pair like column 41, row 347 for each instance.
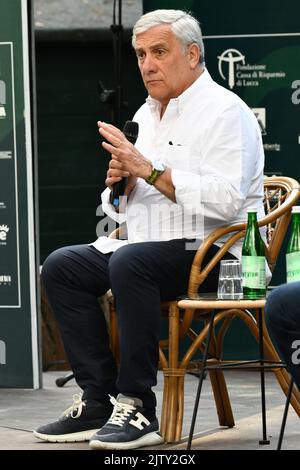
column 230, row 164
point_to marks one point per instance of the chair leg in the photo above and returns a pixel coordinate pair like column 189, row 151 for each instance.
column 180, row 408
column 114, row 335
column 283, row 379
column 173, row 404
column 61, row 381
column 201, row 378
column 295, row 396
column 221, row 397
column 172, row 375
column 281, row 374
column 286, row 408
column 264, row 440
column 164, row 411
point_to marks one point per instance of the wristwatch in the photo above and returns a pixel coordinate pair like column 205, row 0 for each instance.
column 158, row 168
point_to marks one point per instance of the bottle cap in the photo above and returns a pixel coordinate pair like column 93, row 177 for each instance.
column 251, row 209
column 296, row 210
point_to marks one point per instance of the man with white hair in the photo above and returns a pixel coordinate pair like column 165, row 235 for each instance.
column 197, row 165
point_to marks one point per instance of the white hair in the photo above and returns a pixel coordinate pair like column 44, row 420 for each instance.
column 183, row 25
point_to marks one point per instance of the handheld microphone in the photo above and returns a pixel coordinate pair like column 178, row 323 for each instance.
column 131, row 131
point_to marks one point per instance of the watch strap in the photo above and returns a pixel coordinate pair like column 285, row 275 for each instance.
column 154, row 175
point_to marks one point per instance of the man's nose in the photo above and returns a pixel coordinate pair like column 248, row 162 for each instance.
column 149, row 64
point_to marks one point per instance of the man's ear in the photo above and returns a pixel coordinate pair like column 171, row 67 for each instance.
column 194, row 55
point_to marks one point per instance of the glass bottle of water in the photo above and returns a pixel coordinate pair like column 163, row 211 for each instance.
column 293, row 249
column 253, row 260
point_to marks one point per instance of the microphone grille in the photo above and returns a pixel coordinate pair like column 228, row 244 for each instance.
column 131, row 131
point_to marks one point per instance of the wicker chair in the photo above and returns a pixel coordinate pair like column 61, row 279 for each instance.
column 280, row 194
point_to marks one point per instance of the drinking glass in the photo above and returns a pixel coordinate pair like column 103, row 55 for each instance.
column 230, row 280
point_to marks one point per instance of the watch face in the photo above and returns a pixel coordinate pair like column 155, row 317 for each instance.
column 158, row 165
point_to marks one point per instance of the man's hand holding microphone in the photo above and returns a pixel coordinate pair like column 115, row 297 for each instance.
column 127, row 163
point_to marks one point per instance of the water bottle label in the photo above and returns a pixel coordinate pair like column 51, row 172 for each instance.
column 293, row 266
column 254, row 272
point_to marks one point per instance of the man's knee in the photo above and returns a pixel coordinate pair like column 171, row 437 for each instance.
column 53, row 264
column 279, row 304
column 126, row 262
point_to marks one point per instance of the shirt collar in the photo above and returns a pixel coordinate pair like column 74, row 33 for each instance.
column 182, row 99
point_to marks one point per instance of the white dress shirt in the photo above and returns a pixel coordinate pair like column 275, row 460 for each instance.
column 212, row 142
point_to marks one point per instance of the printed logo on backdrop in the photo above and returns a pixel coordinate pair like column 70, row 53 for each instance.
column 230, row 57
column 2, row 352
column 6, row 155
column 4, row 229
column 2, row 99
column 5, row 279
column 296, row 97
column 238, row 73
column 2, row 205
column 260, row 114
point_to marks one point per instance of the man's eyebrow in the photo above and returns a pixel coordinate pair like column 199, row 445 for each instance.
column 153, row 46
column 158, row 44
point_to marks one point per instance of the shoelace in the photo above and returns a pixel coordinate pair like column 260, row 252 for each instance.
column 77, row 405
column 120, row 412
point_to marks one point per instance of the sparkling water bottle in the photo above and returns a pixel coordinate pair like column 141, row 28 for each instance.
column 293, row 249
column 253, row 260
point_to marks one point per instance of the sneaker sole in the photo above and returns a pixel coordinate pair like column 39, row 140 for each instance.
column 147, row 440
column 74, row 437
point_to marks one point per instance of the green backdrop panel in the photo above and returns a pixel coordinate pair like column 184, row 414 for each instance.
column 18, row 306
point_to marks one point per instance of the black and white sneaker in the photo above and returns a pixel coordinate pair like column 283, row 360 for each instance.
column 78, row 423
column 127, row 428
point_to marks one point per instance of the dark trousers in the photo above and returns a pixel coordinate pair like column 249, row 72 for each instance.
column 141, row 275
column 283, row 322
